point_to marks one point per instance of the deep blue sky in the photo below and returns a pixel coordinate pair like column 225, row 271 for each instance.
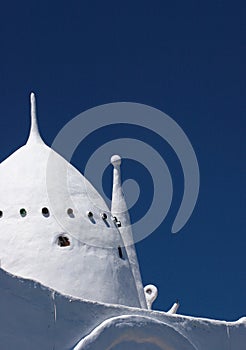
column 186, row 58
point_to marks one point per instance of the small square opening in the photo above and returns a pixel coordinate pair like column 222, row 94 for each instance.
column 63, row 241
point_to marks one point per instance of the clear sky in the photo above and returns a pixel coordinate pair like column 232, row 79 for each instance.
column 186, row 58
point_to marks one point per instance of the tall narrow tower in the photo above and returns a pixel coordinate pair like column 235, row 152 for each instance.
column 120, row 211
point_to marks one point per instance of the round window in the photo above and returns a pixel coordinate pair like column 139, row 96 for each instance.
column 23, row 212
column 45, row 212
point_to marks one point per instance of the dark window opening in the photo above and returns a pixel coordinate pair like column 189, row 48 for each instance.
column 45, row 212
column 104, row 216
column 1, row 213
column 70, row 212
column 120, row 252
column 89, row 214
column 23, row 212
column 116, row 221
column 63, row 241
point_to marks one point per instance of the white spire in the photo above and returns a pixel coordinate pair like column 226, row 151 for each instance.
column 34, row 135
column 119, row 210
column 174, row 308
column 118, row 205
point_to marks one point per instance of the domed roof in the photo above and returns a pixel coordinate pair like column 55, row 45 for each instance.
column 57, row 229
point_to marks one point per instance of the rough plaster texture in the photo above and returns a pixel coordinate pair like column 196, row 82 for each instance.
column 35, row 317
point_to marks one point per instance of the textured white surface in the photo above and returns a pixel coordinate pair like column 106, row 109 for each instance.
column 34, row 317
column 119, row 210
column 35, row 177
column 131, row 331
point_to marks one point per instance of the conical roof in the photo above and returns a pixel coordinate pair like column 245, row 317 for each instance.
column 57, row 229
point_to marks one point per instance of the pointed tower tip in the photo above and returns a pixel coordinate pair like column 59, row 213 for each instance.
column 32, row 99
column 115, row 160
column 33, row 108
column 118, row 205
column 34, row 132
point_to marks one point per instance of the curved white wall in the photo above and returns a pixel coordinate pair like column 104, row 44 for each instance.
column 35, row 177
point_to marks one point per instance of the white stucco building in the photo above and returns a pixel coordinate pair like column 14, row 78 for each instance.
column 69, row 275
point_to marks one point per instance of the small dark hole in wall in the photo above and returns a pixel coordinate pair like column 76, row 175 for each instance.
column 70, row 212
column 104, row 216
column 149, row 291
column 23, row 212
column 120, row 252
column 1, row 213
column 63, row 241
column 45, row 212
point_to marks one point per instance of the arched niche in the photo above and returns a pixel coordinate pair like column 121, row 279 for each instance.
column 134, row 333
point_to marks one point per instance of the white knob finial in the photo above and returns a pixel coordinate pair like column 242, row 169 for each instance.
column 151, row 293
column 115, row 160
